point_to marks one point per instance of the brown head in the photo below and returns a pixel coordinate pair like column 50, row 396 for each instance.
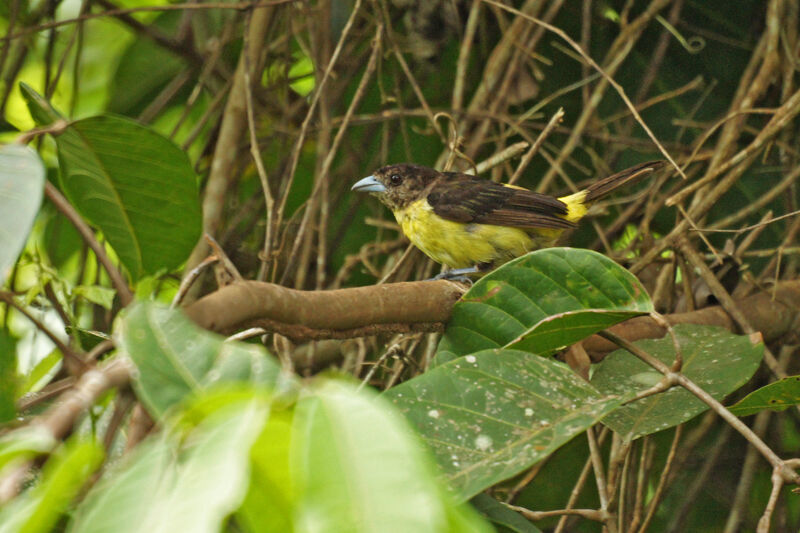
column 397, row 186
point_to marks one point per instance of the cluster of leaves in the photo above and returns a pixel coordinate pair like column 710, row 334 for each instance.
column 242, row 444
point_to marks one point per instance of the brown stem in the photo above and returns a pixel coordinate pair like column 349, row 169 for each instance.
column 789, row 475
column 55, row 196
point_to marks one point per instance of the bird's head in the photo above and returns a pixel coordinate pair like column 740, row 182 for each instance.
column 397, row 186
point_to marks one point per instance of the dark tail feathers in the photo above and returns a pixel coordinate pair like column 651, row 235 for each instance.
column 601, row 188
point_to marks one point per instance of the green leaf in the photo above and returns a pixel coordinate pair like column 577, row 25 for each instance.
column 176, row 482
column 176, row 358
column 136, row 186
column 777, row 396
column 64, row 474
column 490, row 415
column 25, row 443
column 270, row 500
column 102, row 296
column 501, row 515
column 357, row 468
column 144, row 68
column 714, row 358
column 542, row 302
column 21, row 187
column 8, row 377
column 61, row 240
column 43, row 372
column 42, row 112
column 302, row 72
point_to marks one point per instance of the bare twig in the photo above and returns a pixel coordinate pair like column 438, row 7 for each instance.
column 55, row 196
column 789, row 475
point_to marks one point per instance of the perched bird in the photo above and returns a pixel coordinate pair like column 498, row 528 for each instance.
column 472, row 224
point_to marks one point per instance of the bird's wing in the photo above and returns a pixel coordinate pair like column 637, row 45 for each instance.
column 464, row 198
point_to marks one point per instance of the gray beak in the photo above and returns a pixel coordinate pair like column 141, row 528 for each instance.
column 369, row 184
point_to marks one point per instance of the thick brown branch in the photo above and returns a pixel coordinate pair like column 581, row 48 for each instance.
column 773, row 318
column 426, row 305
column 409, row 306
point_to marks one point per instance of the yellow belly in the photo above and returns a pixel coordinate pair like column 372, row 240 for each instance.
column 459, row 245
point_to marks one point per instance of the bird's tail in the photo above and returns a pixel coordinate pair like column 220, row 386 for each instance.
column 604, row 186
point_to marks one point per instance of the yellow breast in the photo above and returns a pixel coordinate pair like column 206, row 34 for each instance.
column 460, row 245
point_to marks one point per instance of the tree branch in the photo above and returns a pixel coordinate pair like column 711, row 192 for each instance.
column 427, row 305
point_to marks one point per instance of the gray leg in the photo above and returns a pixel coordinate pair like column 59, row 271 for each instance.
column 457, row 274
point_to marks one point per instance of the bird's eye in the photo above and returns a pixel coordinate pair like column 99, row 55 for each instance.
column 395, row 179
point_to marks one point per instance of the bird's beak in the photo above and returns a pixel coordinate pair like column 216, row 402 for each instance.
column 369, row 184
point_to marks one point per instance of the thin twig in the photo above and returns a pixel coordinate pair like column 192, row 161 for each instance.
column 585, row 56
column 236, row 6
column 787, row 473
column 528, row 157
column 55, row 196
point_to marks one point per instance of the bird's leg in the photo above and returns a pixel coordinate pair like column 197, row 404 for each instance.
column 460, row 274
column 456, row 274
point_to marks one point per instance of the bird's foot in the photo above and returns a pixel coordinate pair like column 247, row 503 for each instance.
column 456, row 274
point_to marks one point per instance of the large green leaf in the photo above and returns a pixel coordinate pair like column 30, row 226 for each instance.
column 714, row 358
column 129, row 181
column 63, row 476
column 543, row 301
column 490, row 415
column 777, row 396
column 176, row 482
column 136, row 186
column 175, row 357
column 21, row 186
column 357, row 467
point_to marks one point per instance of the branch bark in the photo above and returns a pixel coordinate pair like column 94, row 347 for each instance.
column 427, row 306
column 340, row 313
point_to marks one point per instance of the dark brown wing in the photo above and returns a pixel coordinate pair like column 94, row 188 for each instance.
column 464, row 198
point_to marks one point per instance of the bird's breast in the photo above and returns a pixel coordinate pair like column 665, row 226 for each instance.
column 460, row 245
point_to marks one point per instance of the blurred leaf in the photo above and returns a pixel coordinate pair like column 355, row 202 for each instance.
column 270, row 500
column 102, row 296
column 176, row 358
column 777, row 396
column 25, row 443
column 542, row 302
column 136, row 186
column 357, row 468
column 490, row 415
column 61, row 239
column 22, row 7
column 87, row 338
column 177, row 482
column 144, row 69
column 302, row 74
column 65, row 473
column 500, row 515
column 21, row 187
column 714, row 358
column 8, row 377
column 43, row 372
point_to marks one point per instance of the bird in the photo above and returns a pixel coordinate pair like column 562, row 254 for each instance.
column 472, row 225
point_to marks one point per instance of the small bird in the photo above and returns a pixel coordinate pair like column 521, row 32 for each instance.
column 471, row 224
